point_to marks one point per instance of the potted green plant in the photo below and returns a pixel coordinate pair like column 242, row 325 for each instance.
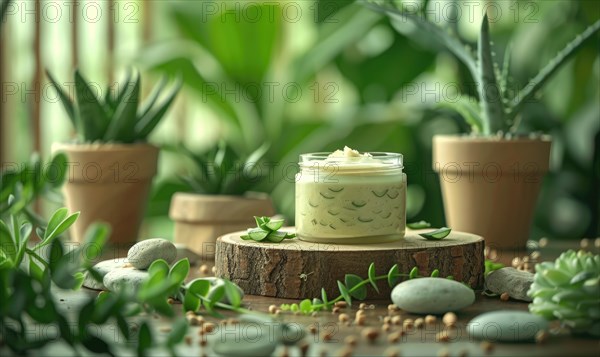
column 490, row 179
column 111, row 165
column 220, row 199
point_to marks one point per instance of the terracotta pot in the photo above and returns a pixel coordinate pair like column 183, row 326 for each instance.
column 109, row 183
column 490, row 186
column 201, row 219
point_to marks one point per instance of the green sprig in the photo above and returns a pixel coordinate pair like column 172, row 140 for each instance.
column 267, row 230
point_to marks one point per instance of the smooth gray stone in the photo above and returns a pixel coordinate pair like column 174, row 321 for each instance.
column 144, row 253
column 214, row 283
column 510, row 280
column 432, row 295
column 507, row 326
column 103, row 268
column 128, row 277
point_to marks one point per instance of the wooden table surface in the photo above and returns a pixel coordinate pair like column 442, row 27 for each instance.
column 415, row 342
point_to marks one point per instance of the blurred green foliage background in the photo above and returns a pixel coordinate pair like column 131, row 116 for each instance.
column 311, row 76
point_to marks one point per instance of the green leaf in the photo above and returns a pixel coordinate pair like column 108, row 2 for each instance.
column 199, row 287
column 372, row 276
column 150, row 119
column 144, row 339
column 179, row 271
column 469, row 109
column 7, row 244
column 393, row 275
column 487, row 84
column 66, row 101
column 324, row 297
column 95, row 237
column 414, row 273
column 56, row 171
column 122, row 125
column 274, row 224
column 159, row 265
column 261, row 222
column 233, row 294
column 91, row 113
column 215, row 296
column 437, row 234
column 418, row 225
column 177, row 333
column 60, row 229
column 435, row 273
column 306, row 306
column 344, row 292
column 351, row 282
column 276, row 237
column 58, row 216
column 35, row 271
column 257, row 234
column 190, row 302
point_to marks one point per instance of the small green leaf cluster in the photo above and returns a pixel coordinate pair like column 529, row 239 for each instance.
column 28, row 181
column 116, row 117
column 491, row 266
column 438, row 234
column 221, row 171
column 568, row 289
column 198, row 294
column 355, row 287
column 267, row 230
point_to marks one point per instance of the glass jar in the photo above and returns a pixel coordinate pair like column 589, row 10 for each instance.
column 351, row 199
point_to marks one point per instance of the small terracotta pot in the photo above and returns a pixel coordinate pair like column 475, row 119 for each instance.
column 490, row 186
column 201, row 219
column 109, row 183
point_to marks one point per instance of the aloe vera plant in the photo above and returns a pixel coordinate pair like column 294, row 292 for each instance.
column 494, row 112
column 221, row 171
column 116, row 117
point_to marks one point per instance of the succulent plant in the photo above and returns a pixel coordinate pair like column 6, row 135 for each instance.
column 568, row 289
column 496, row 112
column 221, row 171
column 116, row 117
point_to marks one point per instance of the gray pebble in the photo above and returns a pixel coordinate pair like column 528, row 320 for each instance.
column 130, row 277
column 507, row 326
column 510, row 280
column 144, row 253
column 432, row 295
column 102, row 268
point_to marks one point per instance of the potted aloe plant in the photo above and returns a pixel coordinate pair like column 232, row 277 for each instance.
column 220, row 199
column 111, row 165
column 490, row 179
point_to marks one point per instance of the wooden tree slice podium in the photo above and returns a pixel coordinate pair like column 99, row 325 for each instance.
column 296, row 269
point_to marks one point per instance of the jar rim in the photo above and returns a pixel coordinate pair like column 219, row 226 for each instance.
column 385, row 158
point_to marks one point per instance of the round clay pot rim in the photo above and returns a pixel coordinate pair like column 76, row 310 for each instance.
column 254, row 196
column 100, row 146
column 491, row 139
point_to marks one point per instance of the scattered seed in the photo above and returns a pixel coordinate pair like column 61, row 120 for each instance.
column 419, row 323
column 214, row 270
column 396, row 320
column 584, row 243
column 360, row 320
column 391, row 352
column 277, row 312
column 527, row 266
column 487, row 346
column 345, row 352
column 204, row 269
column 463, row 353
column 387, row 319
column 208, row 327
column 394, row 337
column 351, row 340
column 202, row 341
column 284, row 353
column 170, row 301
column 597, row 242
column 335, row 310
column 443, row 353
column 188, row 340
column 543, row 242
column 516, row 262
column 449, row 319
column 360, row 312
column 190, row 313
column 323, row 353
column 272, row 309
column 504, row 296
column 341, row 304
column 362, row 306
column 327, row 336
column 303, row 346
column 314, row 314
column 386, row 327
column 312, row 329
column 393, row 307
column 535, row 255
column 430, row 319
column 442, row 336
column 165, row 329
column 344, row 318
column 408, row 324
column 232, row 321
column 370, row 334
column 371, row 307
column 197, row 321
column 542, row 337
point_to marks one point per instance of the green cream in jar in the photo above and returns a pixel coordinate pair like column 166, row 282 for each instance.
column 349, row 197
